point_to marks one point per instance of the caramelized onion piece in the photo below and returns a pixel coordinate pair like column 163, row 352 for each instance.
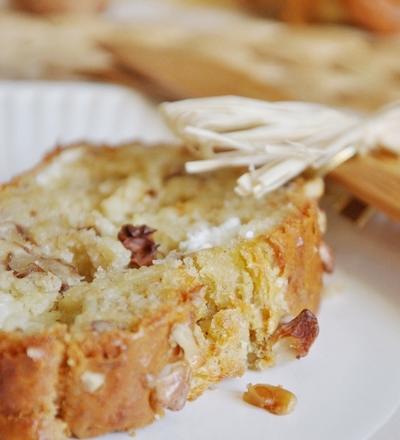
column 138, row 240
column 276, row 400
column 301, row 331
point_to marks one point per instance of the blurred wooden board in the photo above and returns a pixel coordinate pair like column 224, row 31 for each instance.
column 374, row 179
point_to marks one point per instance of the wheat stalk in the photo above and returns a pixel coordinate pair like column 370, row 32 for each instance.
column 277, row 141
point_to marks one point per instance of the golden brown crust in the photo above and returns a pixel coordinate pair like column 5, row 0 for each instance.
column 30, row 428
column 296, row 242
column 36, row 385
column 124, row 361
column 29, row 380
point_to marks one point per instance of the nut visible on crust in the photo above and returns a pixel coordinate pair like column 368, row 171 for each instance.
column 138, row 240
column 326, row 254
column 274, row 399
column 171, row 387
column 35, row 353
column 183, row 336
column 301, row 332
column 92, row 381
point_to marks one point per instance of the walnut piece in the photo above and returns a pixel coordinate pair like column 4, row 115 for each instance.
column 300, row 331
column 22, row 264
column 11, row 231
column 25, row 262
column 274, row 399
column 171, row 387
column 92, row 381
column 139, row 240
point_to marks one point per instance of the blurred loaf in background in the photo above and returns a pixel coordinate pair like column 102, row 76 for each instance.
column 375, row 15
column 169, row 56
column 263, row 59
column 59, row 6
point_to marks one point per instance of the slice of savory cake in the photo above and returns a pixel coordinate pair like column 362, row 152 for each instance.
column 128, row 286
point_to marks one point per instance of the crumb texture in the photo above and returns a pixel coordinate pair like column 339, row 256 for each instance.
column 128, row 286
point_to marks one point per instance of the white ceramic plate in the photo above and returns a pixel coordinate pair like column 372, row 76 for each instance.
column 35, row 117
column 347, row 388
